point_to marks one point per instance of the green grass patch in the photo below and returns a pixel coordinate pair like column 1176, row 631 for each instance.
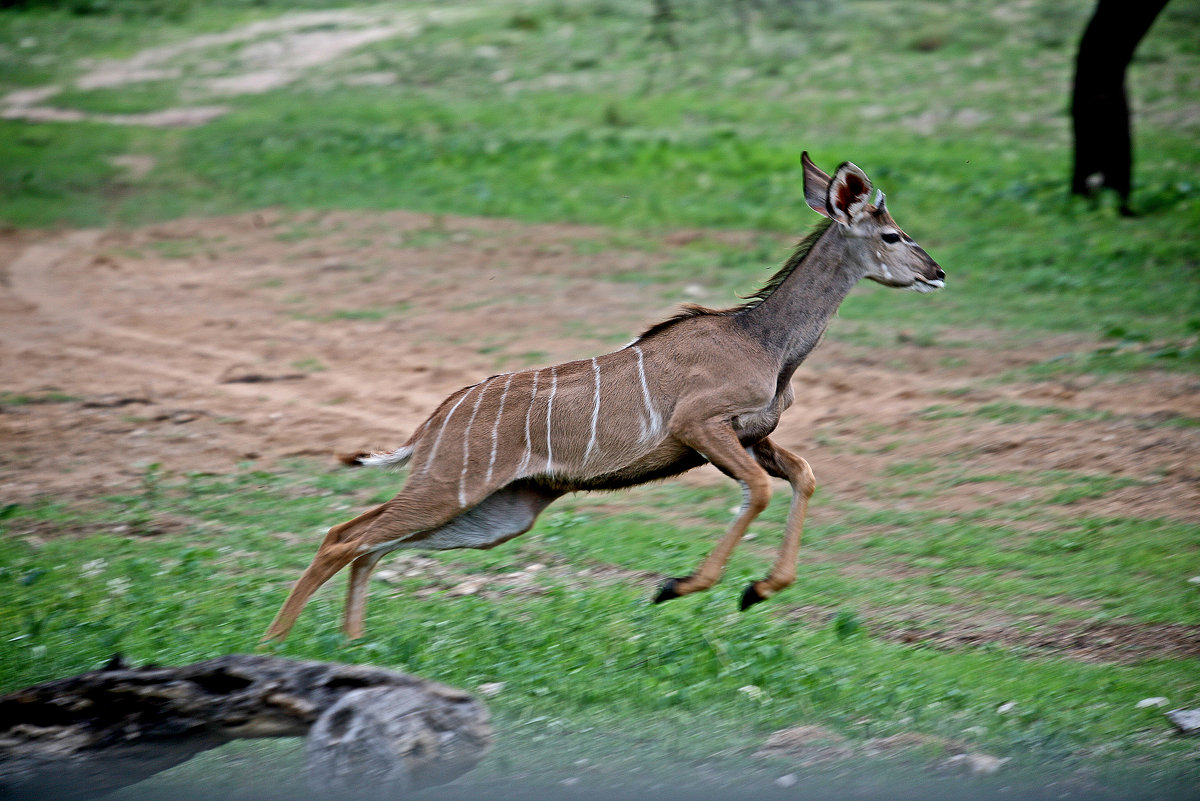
column 574, row 114
column 370, row 313
column 92, row 585
column 1018, row 413
column 135, row 99
column 24, row 399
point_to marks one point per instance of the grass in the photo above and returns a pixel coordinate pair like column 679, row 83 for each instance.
column 373, row 313
column 49, row 396
column 473, row 127
column 1006, row 412
column 123, row 100
column 579, row 113
column 74, row 601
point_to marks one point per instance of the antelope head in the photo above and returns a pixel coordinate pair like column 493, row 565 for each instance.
column 884, row 252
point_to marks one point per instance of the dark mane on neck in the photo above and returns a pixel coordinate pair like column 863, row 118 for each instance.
column 686, row 312
column 798, row 255
column 690, row 310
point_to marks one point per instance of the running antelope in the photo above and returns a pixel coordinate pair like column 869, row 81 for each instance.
column 704, row 386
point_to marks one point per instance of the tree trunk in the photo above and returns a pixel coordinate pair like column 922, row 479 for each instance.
column 1099, row 106
column 86, row 735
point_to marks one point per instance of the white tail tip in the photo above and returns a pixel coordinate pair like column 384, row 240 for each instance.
column 396, row 459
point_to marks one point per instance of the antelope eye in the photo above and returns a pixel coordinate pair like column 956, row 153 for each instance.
column 891, row 238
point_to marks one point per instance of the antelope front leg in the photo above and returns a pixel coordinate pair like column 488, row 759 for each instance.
column 784, row 464
column 718, row 443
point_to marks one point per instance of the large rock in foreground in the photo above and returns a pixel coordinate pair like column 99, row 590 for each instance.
column 368, row 729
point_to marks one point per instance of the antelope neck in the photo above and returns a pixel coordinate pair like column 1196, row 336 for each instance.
column 791, row 320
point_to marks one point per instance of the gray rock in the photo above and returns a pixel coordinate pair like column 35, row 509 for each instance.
column 973, row 764
column 384, row 741
column 1187, row 721
column 85, row 735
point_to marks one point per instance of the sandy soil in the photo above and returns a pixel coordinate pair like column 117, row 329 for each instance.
column 200, row 344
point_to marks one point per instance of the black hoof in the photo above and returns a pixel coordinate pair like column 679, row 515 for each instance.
column 666, row 590
column 750, row 597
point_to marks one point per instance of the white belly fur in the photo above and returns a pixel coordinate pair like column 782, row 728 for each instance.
column 501, row 516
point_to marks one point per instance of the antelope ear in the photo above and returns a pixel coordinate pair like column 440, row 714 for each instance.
column 816, row 185
column 846, row 197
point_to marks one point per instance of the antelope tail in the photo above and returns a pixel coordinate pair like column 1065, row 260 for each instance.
column 394, row 460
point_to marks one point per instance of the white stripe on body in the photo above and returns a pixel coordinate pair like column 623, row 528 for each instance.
column 438, row 440
column 462, row 476
column 549, row 411
column 528, row 441
column 651, row 425
column 496, row 429
column 587, row 454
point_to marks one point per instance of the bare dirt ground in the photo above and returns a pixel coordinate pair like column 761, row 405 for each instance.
column 201, row 344
column 198, row 344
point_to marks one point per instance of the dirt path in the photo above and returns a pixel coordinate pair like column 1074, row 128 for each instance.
column 251, row 59
column 199, row 344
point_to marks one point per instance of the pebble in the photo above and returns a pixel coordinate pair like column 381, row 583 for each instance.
column 974, row 764
column 468, row 587
column 1186, row 720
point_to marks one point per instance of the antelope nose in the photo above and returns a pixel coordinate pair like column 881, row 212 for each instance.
column 940, row 274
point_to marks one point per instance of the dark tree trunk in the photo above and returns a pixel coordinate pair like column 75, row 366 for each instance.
column 1099, row 107
column 661, row 21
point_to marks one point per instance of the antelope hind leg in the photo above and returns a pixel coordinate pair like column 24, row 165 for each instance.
column 781, row 463
column 504, row 514
column 341, row 546
column 328, row 561
column 356, row 593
